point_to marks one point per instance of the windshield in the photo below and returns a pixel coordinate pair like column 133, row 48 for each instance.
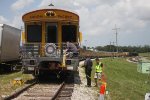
column 69, row 33
column 34, row 33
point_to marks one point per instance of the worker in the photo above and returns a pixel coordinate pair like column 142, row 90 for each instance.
column 72, row 49
column 98, row 71
column 88, row 68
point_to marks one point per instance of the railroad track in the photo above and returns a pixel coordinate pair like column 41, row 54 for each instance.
column 64, row 93
column 61, row 91
column 38, row 92
column 46, row 91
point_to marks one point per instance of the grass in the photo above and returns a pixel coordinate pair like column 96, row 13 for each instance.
column 123, row 80
column 147, row 55
column 6, row 85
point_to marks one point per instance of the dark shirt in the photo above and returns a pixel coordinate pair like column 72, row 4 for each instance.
column 88, row 64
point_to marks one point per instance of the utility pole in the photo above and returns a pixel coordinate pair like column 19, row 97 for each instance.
column 116, row 29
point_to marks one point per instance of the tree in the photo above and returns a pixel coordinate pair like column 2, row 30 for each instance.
column 84, row 47
column 112, row 48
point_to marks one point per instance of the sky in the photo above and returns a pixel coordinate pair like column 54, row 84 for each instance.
column 97, row 18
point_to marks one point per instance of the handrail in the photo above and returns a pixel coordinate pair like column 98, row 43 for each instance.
column 38, row 49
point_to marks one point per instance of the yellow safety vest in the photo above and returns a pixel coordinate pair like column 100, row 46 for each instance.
column 98, row 68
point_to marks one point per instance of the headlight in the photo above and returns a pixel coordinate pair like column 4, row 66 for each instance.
column 50, row 49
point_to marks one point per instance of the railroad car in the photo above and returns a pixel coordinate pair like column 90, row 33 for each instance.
column 92, row 54
column 44, row 41
column 9, row 46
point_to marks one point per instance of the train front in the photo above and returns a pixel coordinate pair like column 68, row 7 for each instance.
column 44, row 47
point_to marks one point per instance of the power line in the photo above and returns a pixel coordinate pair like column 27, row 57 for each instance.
column 116, row 29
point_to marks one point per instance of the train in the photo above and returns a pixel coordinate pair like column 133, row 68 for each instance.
column 44, row 43
column 46, row 34
column 92, row 54
column 9, row 46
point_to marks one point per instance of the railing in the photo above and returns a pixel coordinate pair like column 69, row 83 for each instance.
column 30, row 50
column 37, row 50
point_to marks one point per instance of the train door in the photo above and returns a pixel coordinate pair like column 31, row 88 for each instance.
column 51, row 33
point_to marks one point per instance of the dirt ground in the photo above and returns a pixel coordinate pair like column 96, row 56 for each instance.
column 81, row 92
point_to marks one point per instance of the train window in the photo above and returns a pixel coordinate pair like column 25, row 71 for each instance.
column 69, row 33
column 51, row 35
column 34, row 33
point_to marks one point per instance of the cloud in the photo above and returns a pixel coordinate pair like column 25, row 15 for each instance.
column 20, row 4
column 131, row 17
column 17, row 21
column 98, row 18
column 3, row 20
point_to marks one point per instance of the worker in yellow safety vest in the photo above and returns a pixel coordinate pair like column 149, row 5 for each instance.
column 98, row 71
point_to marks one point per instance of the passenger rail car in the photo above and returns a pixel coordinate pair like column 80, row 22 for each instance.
column 46, row 33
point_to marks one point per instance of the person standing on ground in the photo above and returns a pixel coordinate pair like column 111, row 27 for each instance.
column 88, row 68
column 98, row 71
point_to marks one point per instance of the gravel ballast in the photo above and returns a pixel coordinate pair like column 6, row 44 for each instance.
column 81, row 92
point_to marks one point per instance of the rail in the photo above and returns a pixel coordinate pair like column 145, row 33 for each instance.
column 17, row 93
column 57, row 93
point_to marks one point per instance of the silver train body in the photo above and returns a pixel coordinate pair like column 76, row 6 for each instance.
column 9, row 43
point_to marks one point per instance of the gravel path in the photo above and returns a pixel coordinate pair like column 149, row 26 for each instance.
column 80, row 91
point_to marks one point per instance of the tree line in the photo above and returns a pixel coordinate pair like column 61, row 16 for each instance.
column 112, row 48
